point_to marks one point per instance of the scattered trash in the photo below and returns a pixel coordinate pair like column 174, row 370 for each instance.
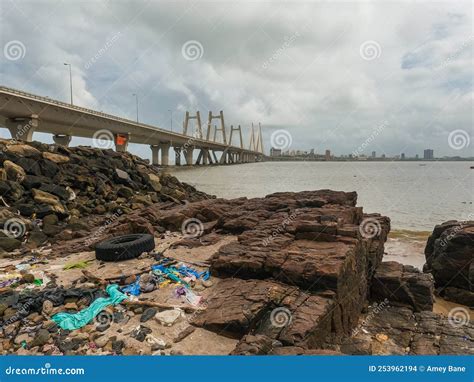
column 188, row 294
column 78, row 265
column 78, row 320
column 134, row 288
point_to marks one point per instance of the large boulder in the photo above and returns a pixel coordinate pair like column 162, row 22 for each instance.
column 403, row 285
column 449, row 257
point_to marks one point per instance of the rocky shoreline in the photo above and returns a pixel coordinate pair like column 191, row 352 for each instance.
column 291, row 273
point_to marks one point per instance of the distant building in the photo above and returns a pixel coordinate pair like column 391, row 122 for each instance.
column 374, row 154
column 383, row 156
column 402, row 156
column 328, row 155
column 417, row 156
column 275, row 152
column 311, row 152
column 428, row 154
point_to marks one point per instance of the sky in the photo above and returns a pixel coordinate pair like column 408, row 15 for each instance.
column 352, row 77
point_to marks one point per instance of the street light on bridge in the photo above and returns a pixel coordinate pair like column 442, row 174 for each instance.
column 171, row 119
column 136, row 102
column 70, row 79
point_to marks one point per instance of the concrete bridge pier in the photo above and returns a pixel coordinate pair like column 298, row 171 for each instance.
column 155, row 154
column 62, row 140
column 205, row 156
column 22, row 129
column 188, row 155
column 177, row 154
column 121, row 142
column 165, row 150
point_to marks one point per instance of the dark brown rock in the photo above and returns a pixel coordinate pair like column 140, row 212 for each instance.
column 449, row 256
column 403, row 285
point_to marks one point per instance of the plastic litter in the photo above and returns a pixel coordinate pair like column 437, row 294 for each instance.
column 133, row 288
column 78, row 320
column 78, row 265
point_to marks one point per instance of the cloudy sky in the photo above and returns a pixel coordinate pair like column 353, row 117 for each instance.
column 347, row 76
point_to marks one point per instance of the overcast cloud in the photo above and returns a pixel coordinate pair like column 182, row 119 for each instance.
column 328, row 73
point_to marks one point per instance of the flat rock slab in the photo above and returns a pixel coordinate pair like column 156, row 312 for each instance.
column 399, row 330
column 269, row 308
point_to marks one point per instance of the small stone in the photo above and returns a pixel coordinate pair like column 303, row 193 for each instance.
column 101, row 341
column 103, row 327
column 147, row 314
column 140, row 333
column 71, row 306
column 41, row 338
column 56, row 158
column 9, row 243
column 184, row 333
column 168, row 317
column 28, row 278
column 207, row 283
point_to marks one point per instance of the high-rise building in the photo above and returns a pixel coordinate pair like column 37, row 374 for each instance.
column 275, row 152
column 402, row 156
column 328, row 155
column 428, row 154
column 374, row 154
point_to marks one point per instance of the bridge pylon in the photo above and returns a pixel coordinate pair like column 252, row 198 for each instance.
column 187, row 118
column 212, row 117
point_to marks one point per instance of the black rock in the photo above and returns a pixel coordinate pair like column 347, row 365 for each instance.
column 147, row 314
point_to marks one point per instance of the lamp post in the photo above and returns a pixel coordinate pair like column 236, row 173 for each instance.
column 70, row 79
column 171, row 119
column 136, row 102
